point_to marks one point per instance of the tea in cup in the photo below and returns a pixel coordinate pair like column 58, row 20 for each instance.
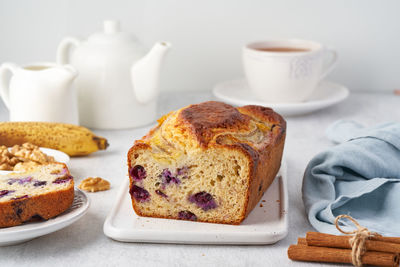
column 280, row 71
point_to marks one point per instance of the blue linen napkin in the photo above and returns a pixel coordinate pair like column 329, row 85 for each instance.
column 359, row 177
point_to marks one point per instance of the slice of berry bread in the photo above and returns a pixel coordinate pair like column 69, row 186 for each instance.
column 43, row 193
column 208, row 162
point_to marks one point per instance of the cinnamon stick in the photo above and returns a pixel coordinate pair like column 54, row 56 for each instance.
column 386, row 239
column 337, row 241
column 301, row 241
column 337, row 255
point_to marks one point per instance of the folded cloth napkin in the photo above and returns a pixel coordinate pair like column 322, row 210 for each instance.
column 359, row 177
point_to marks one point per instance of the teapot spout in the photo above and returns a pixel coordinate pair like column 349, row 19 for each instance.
column 145, row 73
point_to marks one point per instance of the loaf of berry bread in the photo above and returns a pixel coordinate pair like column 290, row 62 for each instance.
column 43, row 193
column 208, row 162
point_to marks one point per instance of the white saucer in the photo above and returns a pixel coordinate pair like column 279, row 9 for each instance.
column 59, row 156
column 236, row 92
column 266, row 224
column 30, row 230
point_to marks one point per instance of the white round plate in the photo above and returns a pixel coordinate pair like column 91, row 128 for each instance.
column 30, row 230
column 236, row 92
column 59, row 156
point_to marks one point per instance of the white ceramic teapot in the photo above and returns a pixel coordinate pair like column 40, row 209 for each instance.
column 39, row 92
column 118, row 82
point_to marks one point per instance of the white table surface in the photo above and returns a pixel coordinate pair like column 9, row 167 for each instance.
column 84, row 244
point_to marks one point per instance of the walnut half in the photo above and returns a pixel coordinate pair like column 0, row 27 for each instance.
column 94, row 184
column 7, row 159
column 30, row 152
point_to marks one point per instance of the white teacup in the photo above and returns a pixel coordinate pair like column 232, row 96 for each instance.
column 286, row 70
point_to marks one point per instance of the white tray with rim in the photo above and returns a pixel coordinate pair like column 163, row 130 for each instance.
column 266, row 224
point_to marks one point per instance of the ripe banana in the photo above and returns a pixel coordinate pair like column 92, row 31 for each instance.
column 71, row 139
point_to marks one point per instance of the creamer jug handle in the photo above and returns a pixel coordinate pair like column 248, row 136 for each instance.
column 4, row 82
column 64, row 48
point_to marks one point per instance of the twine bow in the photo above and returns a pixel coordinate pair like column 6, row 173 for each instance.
column 357, row 242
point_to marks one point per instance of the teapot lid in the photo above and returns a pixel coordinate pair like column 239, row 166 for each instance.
column 111, row 33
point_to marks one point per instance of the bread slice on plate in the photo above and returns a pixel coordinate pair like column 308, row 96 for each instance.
column 42, row 193
column 208, row 162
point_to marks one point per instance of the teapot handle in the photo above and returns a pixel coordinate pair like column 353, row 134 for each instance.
column 4, row 84
column 64, row 48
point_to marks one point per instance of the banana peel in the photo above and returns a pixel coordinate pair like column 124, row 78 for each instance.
column 72, row 139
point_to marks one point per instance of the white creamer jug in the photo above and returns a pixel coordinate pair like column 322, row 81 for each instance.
column 118, row 82
column 39, row 92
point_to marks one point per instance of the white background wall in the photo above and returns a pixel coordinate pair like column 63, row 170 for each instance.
column 207, row 35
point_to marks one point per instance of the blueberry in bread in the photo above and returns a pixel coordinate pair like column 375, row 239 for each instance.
column 44, row 192
column 208, row 162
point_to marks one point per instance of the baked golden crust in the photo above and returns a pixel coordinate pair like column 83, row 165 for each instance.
column 16, row 212
column 208, row 119
column 45, row 206
column 254, row 131
column 201, row 124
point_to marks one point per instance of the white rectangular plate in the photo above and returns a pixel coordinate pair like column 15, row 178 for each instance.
column 266, row 224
